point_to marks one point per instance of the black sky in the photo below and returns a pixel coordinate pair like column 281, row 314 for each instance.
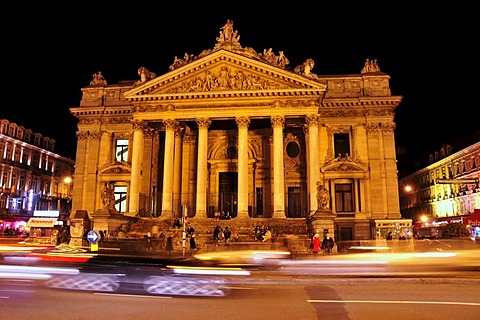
column 50, row 53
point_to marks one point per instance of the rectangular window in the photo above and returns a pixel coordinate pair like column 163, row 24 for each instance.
column 341, row 144
column 120, row 195
column 121, row 150
column 344, row 197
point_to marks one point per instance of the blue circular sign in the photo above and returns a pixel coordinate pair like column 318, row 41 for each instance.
column 93, row 236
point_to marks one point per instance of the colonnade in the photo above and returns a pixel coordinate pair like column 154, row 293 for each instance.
column 172, row 162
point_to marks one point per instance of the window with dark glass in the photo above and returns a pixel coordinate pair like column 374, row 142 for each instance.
column 293, row 149
column 232, row 153
column 344, row 197
column 341, row 144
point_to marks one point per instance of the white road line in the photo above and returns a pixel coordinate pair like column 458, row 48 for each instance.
column 131, row 295
column 398, row 301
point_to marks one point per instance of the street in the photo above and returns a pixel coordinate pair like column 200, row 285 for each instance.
column 359, row 300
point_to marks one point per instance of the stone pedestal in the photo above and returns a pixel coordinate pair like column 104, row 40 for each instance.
column 322, row 222
column 79, row 224
column 106, row 219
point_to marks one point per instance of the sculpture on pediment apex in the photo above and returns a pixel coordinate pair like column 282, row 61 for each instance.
column 98, row 79
column 370, row 66
column 227, row 34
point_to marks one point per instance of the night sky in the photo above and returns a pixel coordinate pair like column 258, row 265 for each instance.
column 50, row 53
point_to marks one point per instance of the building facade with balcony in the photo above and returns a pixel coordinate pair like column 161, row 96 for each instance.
column 32, row 176
column 239, row 131
column 446, row 188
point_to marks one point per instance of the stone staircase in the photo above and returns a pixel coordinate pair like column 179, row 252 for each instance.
column 290, row 234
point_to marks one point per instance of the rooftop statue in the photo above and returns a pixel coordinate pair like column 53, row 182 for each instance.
column 306, row 69
column 228, row 39
column 145, row 75
column 227, row 34
column 98, row 79
column 370, row 66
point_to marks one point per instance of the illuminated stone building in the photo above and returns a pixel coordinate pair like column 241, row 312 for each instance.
column 240, row 131
column 447, row 187
column 33, row 176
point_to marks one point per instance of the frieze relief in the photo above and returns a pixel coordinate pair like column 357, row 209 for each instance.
column 89, row 121
column 342, row 113
column 116, row 120
column 380, row 127
column 225, row 79
column 380, row 112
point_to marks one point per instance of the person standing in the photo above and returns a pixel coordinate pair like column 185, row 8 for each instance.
column 389, row 235
column 169, row 245
column 328, row 244
column 315, row 243
column 193, row 244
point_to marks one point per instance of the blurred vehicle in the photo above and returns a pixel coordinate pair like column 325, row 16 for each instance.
column 148, row 275
column 245, row 258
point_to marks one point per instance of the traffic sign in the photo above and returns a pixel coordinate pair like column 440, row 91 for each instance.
column 93, row 236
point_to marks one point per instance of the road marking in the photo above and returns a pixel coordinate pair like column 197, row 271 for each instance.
column 397, row 301
column 131, row 295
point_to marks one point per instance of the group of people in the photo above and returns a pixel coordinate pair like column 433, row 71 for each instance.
column 263, row 233
column 222, row 215
column 401, row 236
column 220, row 234
column 318, row 245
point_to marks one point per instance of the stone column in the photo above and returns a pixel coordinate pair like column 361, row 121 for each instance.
column 177, row 173
column 313, row 160
column 243, row 123
column 278, row 123
column 167, row 195
column 202, row 170
column 137, row 159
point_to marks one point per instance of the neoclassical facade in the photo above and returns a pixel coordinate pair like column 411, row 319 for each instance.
column 240, row 131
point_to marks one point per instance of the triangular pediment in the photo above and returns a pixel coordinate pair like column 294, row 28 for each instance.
column 223, row 74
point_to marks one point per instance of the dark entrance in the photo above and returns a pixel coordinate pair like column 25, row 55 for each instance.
column 228, row 192
column 294, row 204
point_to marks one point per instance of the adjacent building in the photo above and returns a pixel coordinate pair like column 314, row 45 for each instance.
column 234, row 130
column 33, row 177
column 446, row 190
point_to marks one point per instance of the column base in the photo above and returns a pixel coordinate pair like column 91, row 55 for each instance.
column 279, row 214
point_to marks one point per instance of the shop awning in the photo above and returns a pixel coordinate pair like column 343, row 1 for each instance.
column 473, row 219
column 41, row 222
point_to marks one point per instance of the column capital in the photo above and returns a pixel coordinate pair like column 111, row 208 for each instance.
column 278, row 121
column 170, row 124
column 203, row 122
column 139, row 124
column 243, row 122
column 312, row 120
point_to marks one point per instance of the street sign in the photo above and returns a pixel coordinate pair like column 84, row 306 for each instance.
column 92, row 236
